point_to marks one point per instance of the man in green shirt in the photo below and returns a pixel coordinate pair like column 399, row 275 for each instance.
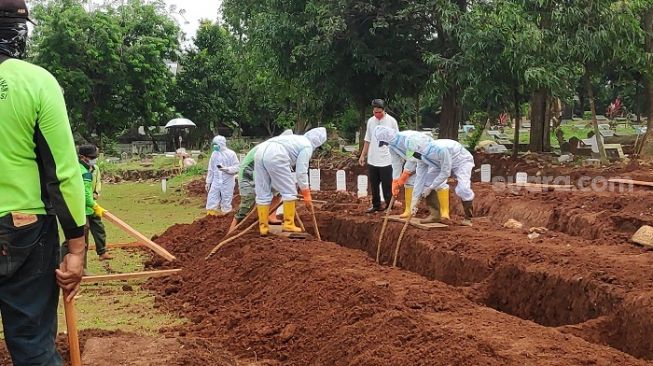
column 40, row 178
column 88, row 165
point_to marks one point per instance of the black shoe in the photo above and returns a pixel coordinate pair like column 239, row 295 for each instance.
column 372, row 209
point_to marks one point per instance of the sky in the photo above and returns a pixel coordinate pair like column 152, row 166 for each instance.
column 195, row 10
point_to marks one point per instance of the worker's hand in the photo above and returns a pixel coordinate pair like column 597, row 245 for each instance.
column 98, row 210
column 426, row 191
column 95, row 196
column 361, row 160
column 395, row 187
column 207, row 187
column 306, row 193
column 413, row 209
column 71, row 268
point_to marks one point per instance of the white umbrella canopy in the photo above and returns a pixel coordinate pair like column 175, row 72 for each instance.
column 180, row 122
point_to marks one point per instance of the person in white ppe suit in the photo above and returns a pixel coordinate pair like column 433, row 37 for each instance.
column 403, row 167
column 438, row 160
column 273, row 164
column 221, row 178
column 246, row 188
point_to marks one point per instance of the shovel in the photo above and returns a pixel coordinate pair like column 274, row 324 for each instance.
column 385, row 224
column 73, row 336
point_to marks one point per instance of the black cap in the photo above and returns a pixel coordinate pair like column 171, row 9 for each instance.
column 14, row 9
column 376, row 103
column 90, row 151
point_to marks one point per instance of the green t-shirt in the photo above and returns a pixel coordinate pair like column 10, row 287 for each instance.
column 38, row 160
column 87, row 178
column 246, row 170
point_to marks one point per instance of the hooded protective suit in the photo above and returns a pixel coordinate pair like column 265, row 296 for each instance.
column 398, row 143
column 275, row 159
column 439, row 160
column 221, row 177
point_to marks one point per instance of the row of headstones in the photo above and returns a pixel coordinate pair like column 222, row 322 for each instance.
column 341, row 180
column 314, row 181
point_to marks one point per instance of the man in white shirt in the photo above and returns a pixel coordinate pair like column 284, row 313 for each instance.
column 379, row 160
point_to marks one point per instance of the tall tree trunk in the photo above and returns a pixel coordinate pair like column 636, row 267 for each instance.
column 595, row 123
column 646, row 149
column 361, row 128
column 547, row 123
column 515, row 146
column 449, row 114
column 538, row 120
column 418, row 115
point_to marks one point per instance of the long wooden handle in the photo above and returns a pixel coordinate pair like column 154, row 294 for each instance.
column 130, row 276
column 73, row 336
column 238, row 225
column 134, row 233
column 401, row 236
column 229, row 240
column 301, row 223
column 385, row 224
column 317, row 230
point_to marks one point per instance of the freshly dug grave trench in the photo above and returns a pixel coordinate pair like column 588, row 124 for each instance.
column 316, row 303
column 610, row 216
column 593, row 291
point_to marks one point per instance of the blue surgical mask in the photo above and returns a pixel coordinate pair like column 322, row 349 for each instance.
column 216, row 147
column 92, row 162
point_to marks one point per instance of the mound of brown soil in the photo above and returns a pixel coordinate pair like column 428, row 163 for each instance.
column 317, row 303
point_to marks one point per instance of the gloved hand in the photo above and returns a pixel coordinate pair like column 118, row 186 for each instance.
column 398, row 183
column 426, row 191
column 98, row 210
column 413, row 208
column 306, row 193
column 207, row 187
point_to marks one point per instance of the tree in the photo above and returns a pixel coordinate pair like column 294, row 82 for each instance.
column 500, row 58
column 109, row 61
column 599, row 33
column 646, row 22
column 343, row 51
column 206, row 91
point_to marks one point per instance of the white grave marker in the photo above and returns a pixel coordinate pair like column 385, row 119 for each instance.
column 341, row 180
column 362, row 186
column 486, row 173
column 164, row 185
column 521, row 178
column 314, row 179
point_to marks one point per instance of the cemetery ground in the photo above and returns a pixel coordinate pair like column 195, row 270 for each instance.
column 546, row 276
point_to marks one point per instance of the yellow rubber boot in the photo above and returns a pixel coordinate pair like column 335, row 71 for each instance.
column 289, row 217
column 408, row 197
column 263, row 213
column 443, row 198
column 211, row 213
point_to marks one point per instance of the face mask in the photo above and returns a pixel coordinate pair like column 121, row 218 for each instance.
column 216, row 147
column 13, row 39
column 92, row 162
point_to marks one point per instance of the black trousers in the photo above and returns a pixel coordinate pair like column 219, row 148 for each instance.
column 28, row 290
column 380, row 175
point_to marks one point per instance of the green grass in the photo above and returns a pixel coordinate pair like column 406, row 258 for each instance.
column 157, row 163
column 578, row 129
column 145, row 207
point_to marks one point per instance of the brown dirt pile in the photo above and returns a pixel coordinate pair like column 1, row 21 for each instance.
column 310, row 303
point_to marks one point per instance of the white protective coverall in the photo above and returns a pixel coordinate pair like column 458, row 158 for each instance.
column 439, row 160
column 398, row 143
column 275, row 159
column 221, row 177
